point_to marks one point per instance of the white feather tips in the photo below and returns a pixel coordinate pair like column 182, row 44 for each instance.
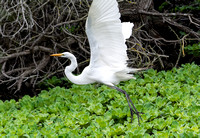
column 127, row 29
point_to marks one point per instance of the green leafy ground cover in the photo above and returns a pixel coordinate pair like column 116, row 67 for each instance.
column 170, row 101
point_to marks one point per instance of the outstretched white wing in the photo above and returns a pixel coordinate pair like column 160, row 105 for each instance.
column 104, row 31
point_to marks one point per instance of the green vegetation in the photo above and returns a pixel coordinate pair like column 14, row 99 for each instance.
column 192, row 7
column 170, row 101
column 193, row 49
column 183, row 6
column 53, row 82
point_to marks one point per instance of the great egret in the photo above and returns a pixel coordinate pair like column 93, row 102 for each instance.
column 108, row 60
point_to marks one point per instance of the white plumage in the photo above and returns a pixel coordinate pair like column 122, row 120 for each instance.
column 108, row 50
column 108, row 60
column 127, row 29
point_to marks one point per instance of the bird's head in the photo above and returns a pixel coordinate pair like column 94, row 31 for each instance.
column 71, row 57
column 64, row 54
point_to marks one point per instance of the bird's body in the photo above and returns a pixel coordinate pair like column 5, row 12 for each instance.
column 108, row 60
column 101, row 74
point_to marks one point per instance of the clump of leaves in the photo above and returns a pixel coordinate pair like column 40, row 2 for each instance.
column 192, row 7
column 170, row 101
column 193, row 49
column 182, row 6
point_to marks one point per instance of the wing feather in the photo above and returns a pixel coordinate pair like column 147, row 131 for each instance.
column 104, row 31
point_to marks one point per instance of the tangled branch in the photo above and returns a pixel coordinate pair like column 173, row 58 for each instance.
column 32, row 30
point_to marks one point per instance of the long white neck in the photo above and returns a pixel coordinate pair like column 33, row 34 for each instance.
column 80, row 79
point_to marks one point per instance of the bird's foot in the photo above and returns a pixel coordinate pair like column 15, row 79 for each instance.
column 132, row 107
column 137, row 113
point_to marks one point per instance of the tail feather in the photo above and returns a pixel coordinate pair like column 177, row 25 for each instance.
column 134, row 70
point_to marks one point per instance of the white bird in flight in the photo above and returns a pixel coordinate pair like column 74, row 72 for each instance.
column 108, row 59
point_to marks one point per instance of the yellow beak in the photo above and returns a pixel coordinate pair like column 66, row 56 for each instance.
column 57, row 55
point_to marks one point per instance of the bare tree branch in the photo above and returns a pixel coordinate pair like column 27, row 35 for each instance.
column 32, row 30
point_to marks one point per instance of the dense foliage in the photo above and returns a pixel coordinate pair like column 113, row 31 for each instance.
column 193, row 49
column 191, row 6
column 170, row 101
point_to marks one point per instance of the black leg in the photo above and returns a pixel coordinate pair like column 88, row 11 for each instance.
column 133, row 110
